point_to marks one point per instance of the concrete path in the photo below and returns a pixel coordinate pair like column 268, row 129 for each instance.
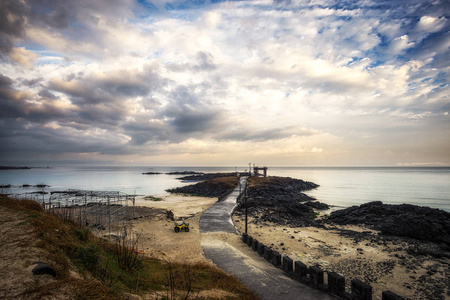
column 223, row 246
column 218, row 217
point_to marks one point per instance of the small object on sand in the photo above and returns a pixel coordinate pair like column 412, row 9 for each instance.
column 181, row 225
column 43, row 269
column 169, row 215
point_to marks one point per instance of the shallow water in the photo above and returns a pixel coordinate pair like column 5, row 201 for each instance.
column 340, row 187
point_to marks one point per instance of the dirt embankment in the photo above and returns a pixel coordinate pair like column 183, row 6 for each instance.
column 83, row 266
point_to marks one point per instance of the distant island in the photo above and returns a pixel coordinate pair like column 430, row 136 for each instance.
column 22, row 168
column 175, row 173
column 13, row 168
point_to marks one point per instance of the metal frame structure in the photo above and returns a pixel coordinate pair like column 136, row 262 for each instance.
column 98, row 210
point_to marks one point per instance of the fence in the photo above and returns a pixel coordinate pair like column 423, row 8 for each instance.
column 314, row 276
column 99, row 210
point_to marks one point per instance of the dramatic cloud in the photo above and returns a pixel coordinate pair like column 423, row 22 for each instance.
column 221, row 82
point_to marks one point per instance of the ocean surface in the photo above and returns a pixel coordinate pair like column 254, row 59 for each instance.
column 339, row 187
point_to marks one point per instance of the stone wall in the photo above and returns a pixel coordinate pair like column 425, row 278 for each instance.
column 314, row 276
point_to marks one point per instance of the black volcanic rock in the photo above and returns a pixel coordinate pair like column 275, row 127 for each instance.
column 418, row 222
column 206, row 176
column 208, row 188
column 280, row 200
column 185, row 173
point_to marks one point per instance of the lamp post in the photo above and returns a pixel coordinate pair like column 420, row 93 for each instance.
column 246, row 213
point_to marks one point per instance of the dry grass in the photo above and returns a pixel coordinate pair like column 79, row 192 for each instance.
column 258, row 182
column 225, row 183
column 102, row 275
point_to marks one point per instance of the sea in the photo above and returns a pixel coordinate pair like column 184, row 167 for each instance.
column 339, row 187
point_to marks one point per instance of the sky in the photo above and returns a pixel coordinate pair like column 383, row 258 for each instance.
column 225, row 83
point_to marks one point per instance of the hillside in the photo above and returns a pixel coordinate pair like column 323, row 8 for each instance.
column 77, row 265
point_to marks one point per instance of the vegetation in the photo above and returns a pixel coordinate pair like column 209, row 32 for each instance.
column 153, row 198
column 112, row 270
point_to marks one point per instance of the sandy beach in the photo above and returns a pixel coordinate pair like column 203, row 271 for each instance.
column 157, row 236
column 385, row 264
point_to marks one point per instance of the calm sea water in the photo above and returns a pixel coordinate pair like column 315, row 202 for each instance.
column 340, row 187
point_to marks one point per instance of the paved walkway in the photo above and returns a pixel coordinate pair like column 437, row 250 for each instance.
column 218, row 217
column 222, row 245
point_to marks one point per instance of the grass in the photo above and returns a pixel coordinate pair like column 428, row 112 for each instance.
column 109, row 270
column 153, row 198
column 258, row 182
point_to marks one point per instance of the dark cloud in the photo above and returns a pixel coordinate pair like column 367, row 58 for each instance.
column 11, row 23
column 12, row 102
column 186, row 114
column 51, row 13
column 205, row 61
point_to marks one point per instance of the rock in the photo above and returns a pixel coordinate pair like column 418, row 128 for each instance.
column 206, row 176
column 280, row 200
column 209, row 188
column 43, row 269
column 317, row 205
column 418, row 222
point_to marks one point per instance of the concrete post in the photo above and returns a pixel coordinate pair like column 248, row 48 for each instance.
column 244, row 237
column 361, row 290
column 255, row 244
column 336, row 284
column 261, row 249
column 268, row 254
column 287, row 265
column 316, row 276
column 388, row 295
column 276, row 259
column 301, row 271
column 249, row 241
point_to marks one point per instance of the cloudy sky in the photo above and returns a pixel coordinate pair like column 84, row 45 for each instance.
column 225, row 83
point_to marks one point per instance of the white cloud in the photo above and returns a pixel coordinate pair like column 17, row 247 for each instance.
column 189, row 80
column 431, row 24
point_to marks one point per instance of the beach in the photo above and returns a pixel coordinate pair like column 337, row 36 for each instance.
column 359, row 253
column 157, row 235
column 383, row 263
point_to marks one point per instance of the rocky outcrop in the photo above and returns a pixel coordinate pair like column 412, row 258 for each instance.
column 185, row 173
column 207, row 176
column 418, row 222
column 209, row 188
column 281, row 200
column 280, row 189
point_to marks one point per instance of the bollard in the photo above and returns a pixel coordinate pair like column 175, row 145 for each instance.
column 276, row 259
column 388, row 295
column 268, row 254
column 336, row 284
column 255, row 244
column 244, row 237
column 316, row 276
column 301, row 271
column 249, row 241
column 261, row 249
column 361, row 290
column 287, row 265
